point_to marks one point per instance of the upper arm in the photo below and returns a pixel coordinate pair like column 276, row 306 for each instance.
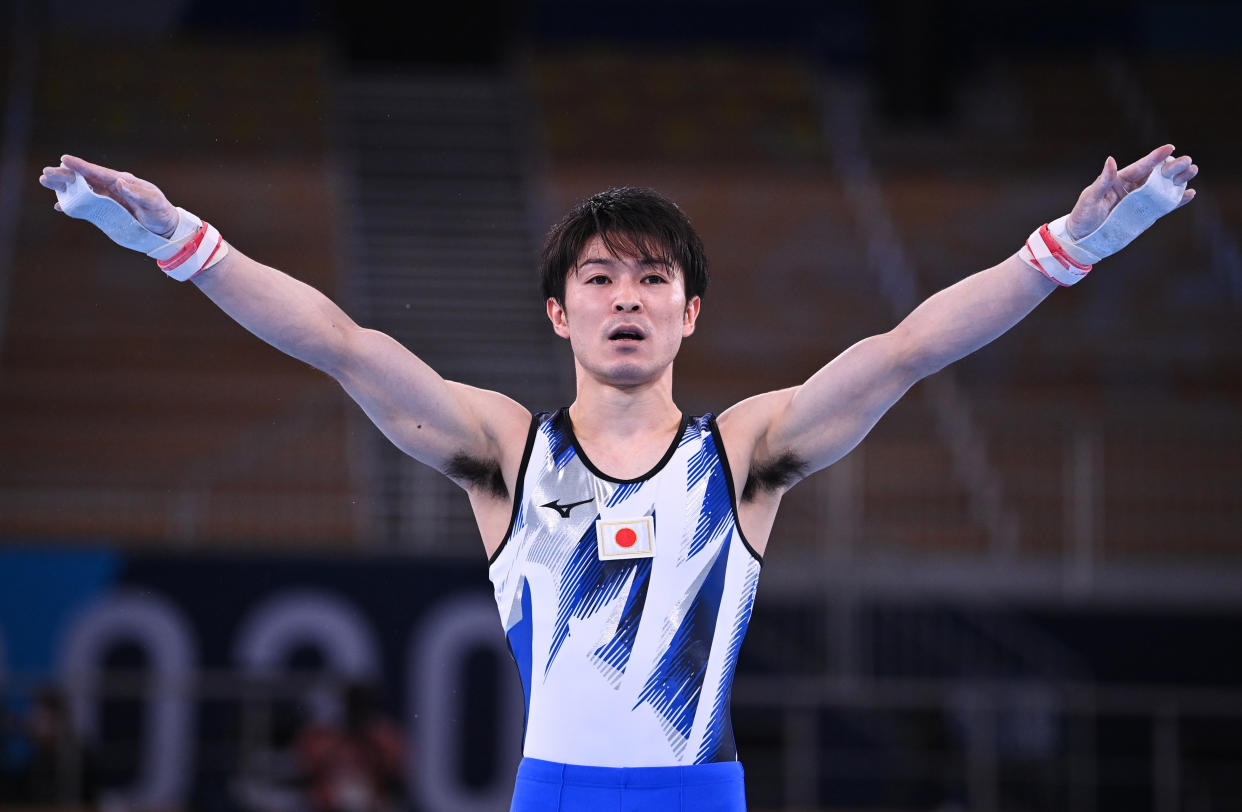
column 815, row 424
column 794, row 432
column 467, row 433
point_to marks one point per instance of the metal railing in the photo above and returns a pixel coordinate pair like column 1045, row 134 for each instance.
column 890, row 263
column 815, row 743
column 266, row 485
column 998, row 745
column 22, row 75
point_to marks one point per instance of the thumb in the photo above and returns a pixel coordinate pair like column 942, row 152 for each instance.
column 1109, row 175
column 133, row 194
column 123, row 192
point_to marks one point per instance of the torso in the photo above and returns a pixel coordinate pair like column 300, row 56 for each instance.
column 756, row 513
column 599, row 652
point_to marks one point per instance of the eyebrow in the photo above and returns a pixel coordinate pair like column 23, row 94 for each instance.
column 609, row 262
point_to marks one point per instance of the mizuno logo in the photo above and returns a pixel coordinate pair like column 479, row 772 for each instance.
column 564, row 509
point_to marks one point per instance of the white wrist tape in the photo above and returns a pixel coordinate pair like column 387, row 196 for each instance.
column 1064, row 260
column 171, row 253
column 1045, row 253
column 202, row 249
column 1131, row 217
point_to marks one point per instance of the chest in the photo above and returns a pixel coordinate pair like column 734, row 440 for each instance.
column 678, row 510
column 624, row 460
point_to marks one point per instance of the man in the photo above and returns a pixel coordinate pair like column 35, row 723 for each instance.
column 625, row 539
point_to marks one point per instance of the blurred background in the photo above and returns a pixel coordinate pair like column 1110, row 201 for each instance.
column 221, row 589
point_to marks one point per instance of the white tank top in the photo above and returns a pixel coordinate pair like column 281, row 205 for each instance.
column 625, row 601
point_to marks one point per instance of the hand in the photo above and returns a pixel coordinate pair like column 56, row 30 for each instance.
column 1098, row 199
column 141, row 198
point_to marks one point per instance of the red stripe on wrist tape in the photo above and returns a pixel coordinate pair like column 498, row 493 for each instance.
column 1045, row 254
column 186, row 251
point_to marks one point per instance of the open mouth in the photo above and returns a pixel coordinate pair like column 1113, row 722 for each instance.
column 625, row 334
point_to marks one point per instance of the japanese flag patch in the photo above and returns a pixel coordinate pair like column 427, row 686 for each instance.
column 627, row 538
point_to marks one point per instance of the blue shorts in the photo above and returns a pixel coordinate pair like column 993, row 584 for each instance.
column 549, row 786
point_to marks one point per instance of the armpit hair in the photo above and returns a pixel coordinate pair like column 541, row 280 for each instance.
column 478, row 474
column 773, row 475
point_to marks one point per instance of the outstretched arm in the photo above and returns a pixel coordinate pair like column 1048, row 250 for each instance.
column 817, row 423
column 436, row 421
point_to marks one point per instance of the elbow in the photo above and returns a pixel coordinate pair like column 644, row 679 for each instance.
column 336, row 353
column 926, row 366
column 912, row 358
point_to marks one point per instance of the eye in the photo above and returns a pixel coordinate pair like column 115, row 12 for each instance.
column 598, row 279
column 654, row 278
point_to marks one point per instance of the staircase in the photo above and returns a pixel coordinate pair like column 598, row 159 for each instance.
column 442, row 258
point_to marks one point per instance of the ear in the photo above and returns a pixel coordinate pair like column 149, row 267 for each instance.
column 691, row 315
column 558, row 317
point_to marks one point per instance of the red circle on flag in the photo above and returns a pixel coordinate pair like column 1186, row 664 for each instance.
column 626, row 537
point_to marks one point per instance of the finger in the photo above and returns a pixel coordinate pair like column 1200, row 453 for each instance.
column 94, row 174
column 57, row 207
column 1173, row 166
column 55, row 177
column 1101, row 186
column 1186, row 175
column 1187, row 196
column 126, row 188
column 1138, row 171
column 134, row 192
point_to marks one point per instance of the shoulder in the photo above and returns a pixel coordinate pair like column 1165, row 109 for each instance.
column 746, row 424
column 745, row 430
column 503, row 419
column 506, row 425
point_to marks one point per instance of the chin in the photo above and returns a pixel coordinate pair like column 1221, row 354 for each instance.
column 623, row 369
column 629, row 374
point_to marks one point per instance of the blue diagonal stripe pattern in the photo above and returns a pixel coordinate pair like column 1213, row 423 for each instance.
column 717, row 508
column 623, row 492
column 520, row 647
column 586, row 584
column 560, row 447
column 616, row 652
column 519, row 520
column 718, row 743
column 676, row 682
column 694, row 428
column 701, row 463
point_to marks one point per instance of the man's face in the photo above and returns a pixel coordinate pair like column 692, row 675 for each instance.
column 624, row 316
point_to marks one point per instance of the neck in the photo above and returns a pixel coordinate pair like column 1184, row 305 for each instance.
column 601, row 409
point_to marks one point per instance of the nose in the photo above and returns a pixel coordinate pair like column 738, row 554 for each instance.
column 626, row 298
column 627, row 294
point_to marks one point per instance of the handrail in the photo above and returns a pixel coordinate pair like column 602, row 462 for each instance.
column 22, row 75
column 976, row 709
column 1210, row 229
column 891, row 264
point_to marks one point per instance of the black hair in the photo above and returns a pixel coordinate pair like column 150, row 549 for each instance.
column 631, row 221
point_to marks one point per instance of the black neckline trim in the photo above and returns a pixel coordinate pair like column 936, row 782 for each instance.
column 517, row 486
column 668, row 455
column 724, row 461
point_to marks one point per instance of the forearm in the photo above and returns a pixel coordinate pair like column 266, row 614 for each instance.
column 292, row 316
column 964, row 317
